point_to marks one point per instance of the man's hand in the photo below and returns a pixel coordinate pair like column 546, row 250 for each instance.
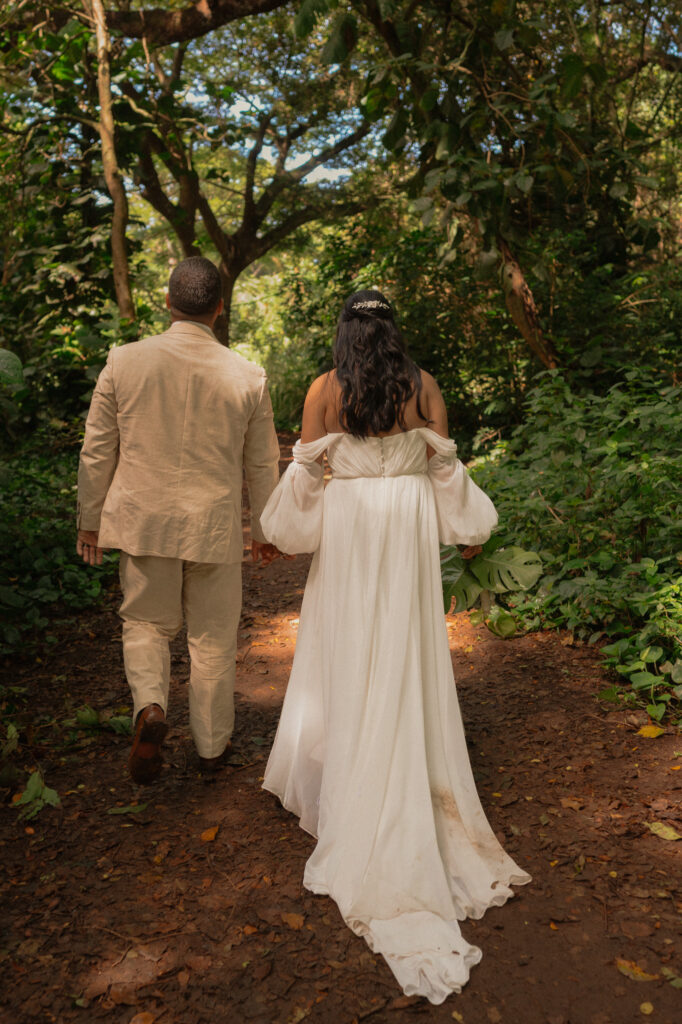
column 266, row 552
column 470, row 552
column 87, row 548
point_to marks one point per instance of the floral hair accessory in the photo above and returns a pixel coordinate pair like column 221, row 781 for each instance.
column 370, row 304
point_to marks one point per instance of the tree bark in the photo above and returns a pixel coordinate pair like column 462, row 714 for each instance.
column 112, row 175
column 221, row 328
column 521, row 305
column 158, row 25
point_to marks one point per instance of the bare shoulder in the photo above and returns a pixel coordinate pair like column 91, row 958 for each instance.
column 430, row 391
column 429, row 385
column 319, row 398
column 321, row 384
column 322, row 391
column 433, row 405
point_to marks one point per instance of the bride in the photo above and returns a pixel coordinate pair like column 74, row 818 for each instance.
column 370, row 751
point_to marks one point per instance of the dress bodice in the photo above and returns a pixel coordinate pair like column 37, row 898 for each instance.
column 293, row 516
column 396, row 455
column 351, row 457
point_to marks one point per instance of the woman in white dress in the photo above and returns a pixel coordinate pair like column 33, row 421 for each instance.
column 370, row 751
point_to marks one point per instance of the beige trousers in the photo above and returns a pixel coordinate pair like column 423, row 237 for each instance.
column 157, row 594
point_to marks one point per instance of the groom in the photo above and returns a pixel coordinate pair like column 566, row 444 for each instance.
column 174, row 421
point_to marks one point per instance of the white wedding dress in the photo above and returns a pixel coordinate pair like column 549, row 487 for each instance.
column 370, row 751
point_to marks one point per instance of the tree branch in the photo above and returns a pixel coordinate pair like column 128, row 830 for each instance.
column 180, row 216
column 282, row 181
column 277, row 234
column 112, row 174
column 250, row 213
column 660, row 58
column 158, row 25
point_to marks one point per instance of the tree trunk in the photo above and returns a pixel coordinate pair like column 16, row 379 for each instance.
column 521, row 305
column 222, row 325
column 112, row 175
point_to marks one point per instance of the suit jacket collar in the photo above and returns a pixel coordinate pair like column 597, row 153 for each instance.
column 192, row 329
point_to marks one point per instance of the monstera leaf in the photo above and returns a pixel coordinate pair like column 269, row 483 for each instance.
column 507, row 569
column 501, row 622
column 458, row 583
column 11, row 374
column 497, row 570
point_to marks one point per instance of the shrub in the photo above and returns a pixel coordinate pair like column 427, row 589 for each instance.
column 592, row 483
column 39, row 568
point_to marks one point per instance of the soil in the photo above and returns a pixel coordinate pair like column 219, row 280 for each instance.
column 182, row 902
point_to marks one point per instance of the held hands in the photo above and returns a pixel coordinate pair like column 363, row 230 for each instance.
column 470, row 552
column 266, row 552
column 86, row 547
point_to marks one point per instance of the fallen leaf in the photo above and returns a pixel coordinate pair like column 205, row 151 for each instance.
column 633, row 971
column 123, row 994
column 636, row 929
column 402, row 1002
column 572, row 803
column 299, row 1014
column 662, row 831
column 294, row 921
column 143, row 1018
column 199, row 963
column 494, row 1015
column 458, row 1017
column 209, row 834
column 671, row 977
column 650, row 731
column 647, row 1009
column 129, row 809
column 249, row 929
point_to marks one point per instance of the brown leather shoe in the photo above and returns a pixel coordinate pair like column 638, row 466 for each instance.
column 144, row 763
column 214, row 764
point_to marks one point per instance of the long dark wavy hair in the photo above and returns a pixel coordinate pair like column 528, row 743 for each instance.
column 376, row 374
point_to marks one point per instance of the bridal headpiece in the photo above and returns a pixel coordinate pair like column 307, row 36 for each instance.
column 369, row 304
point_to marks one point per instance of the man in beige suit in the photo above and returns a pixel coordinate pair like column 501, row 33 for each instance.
column 174, row 420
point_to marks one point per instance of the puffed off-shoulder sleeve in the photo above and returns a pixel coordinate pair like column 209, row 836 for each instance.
column 292, row 518
column 466, row 515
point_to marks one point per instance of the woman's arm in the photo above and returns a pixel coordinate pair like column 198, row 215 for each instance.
column 433, row 407
column 314, row 410
column 438, row 421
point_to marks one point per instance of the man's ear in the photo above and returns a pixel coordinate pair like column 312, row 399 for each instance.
column 168, row 305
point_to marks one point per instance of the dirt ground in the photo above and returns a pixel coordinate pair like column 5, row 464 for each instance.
column 182, row 903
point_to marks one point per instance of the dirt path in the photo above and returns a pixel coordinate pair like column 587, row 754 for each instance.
column 182, row 903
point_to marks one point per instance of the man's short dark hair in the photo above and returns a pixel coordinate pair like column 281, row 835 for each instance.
column 195, row 288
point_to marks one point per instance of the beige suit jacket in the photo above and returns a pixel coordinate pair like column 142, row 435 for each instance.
column 173, row 422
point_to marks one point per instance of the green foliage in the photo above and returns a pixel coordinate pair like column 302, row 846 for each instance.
column 259, row 333
column 11, row 381
column 524, row 118
column 88, row 719
column 39, row 569
column 592, row 483
column 36, row 796
column 11, row 371
column 497, row 570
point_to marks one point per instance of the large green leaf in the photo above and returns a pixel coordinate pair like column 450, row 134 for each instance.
column 501, row 622
column 466, row 592
column 507, row 569
column 458, row 583
column 11, row 372
column 342, row 39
